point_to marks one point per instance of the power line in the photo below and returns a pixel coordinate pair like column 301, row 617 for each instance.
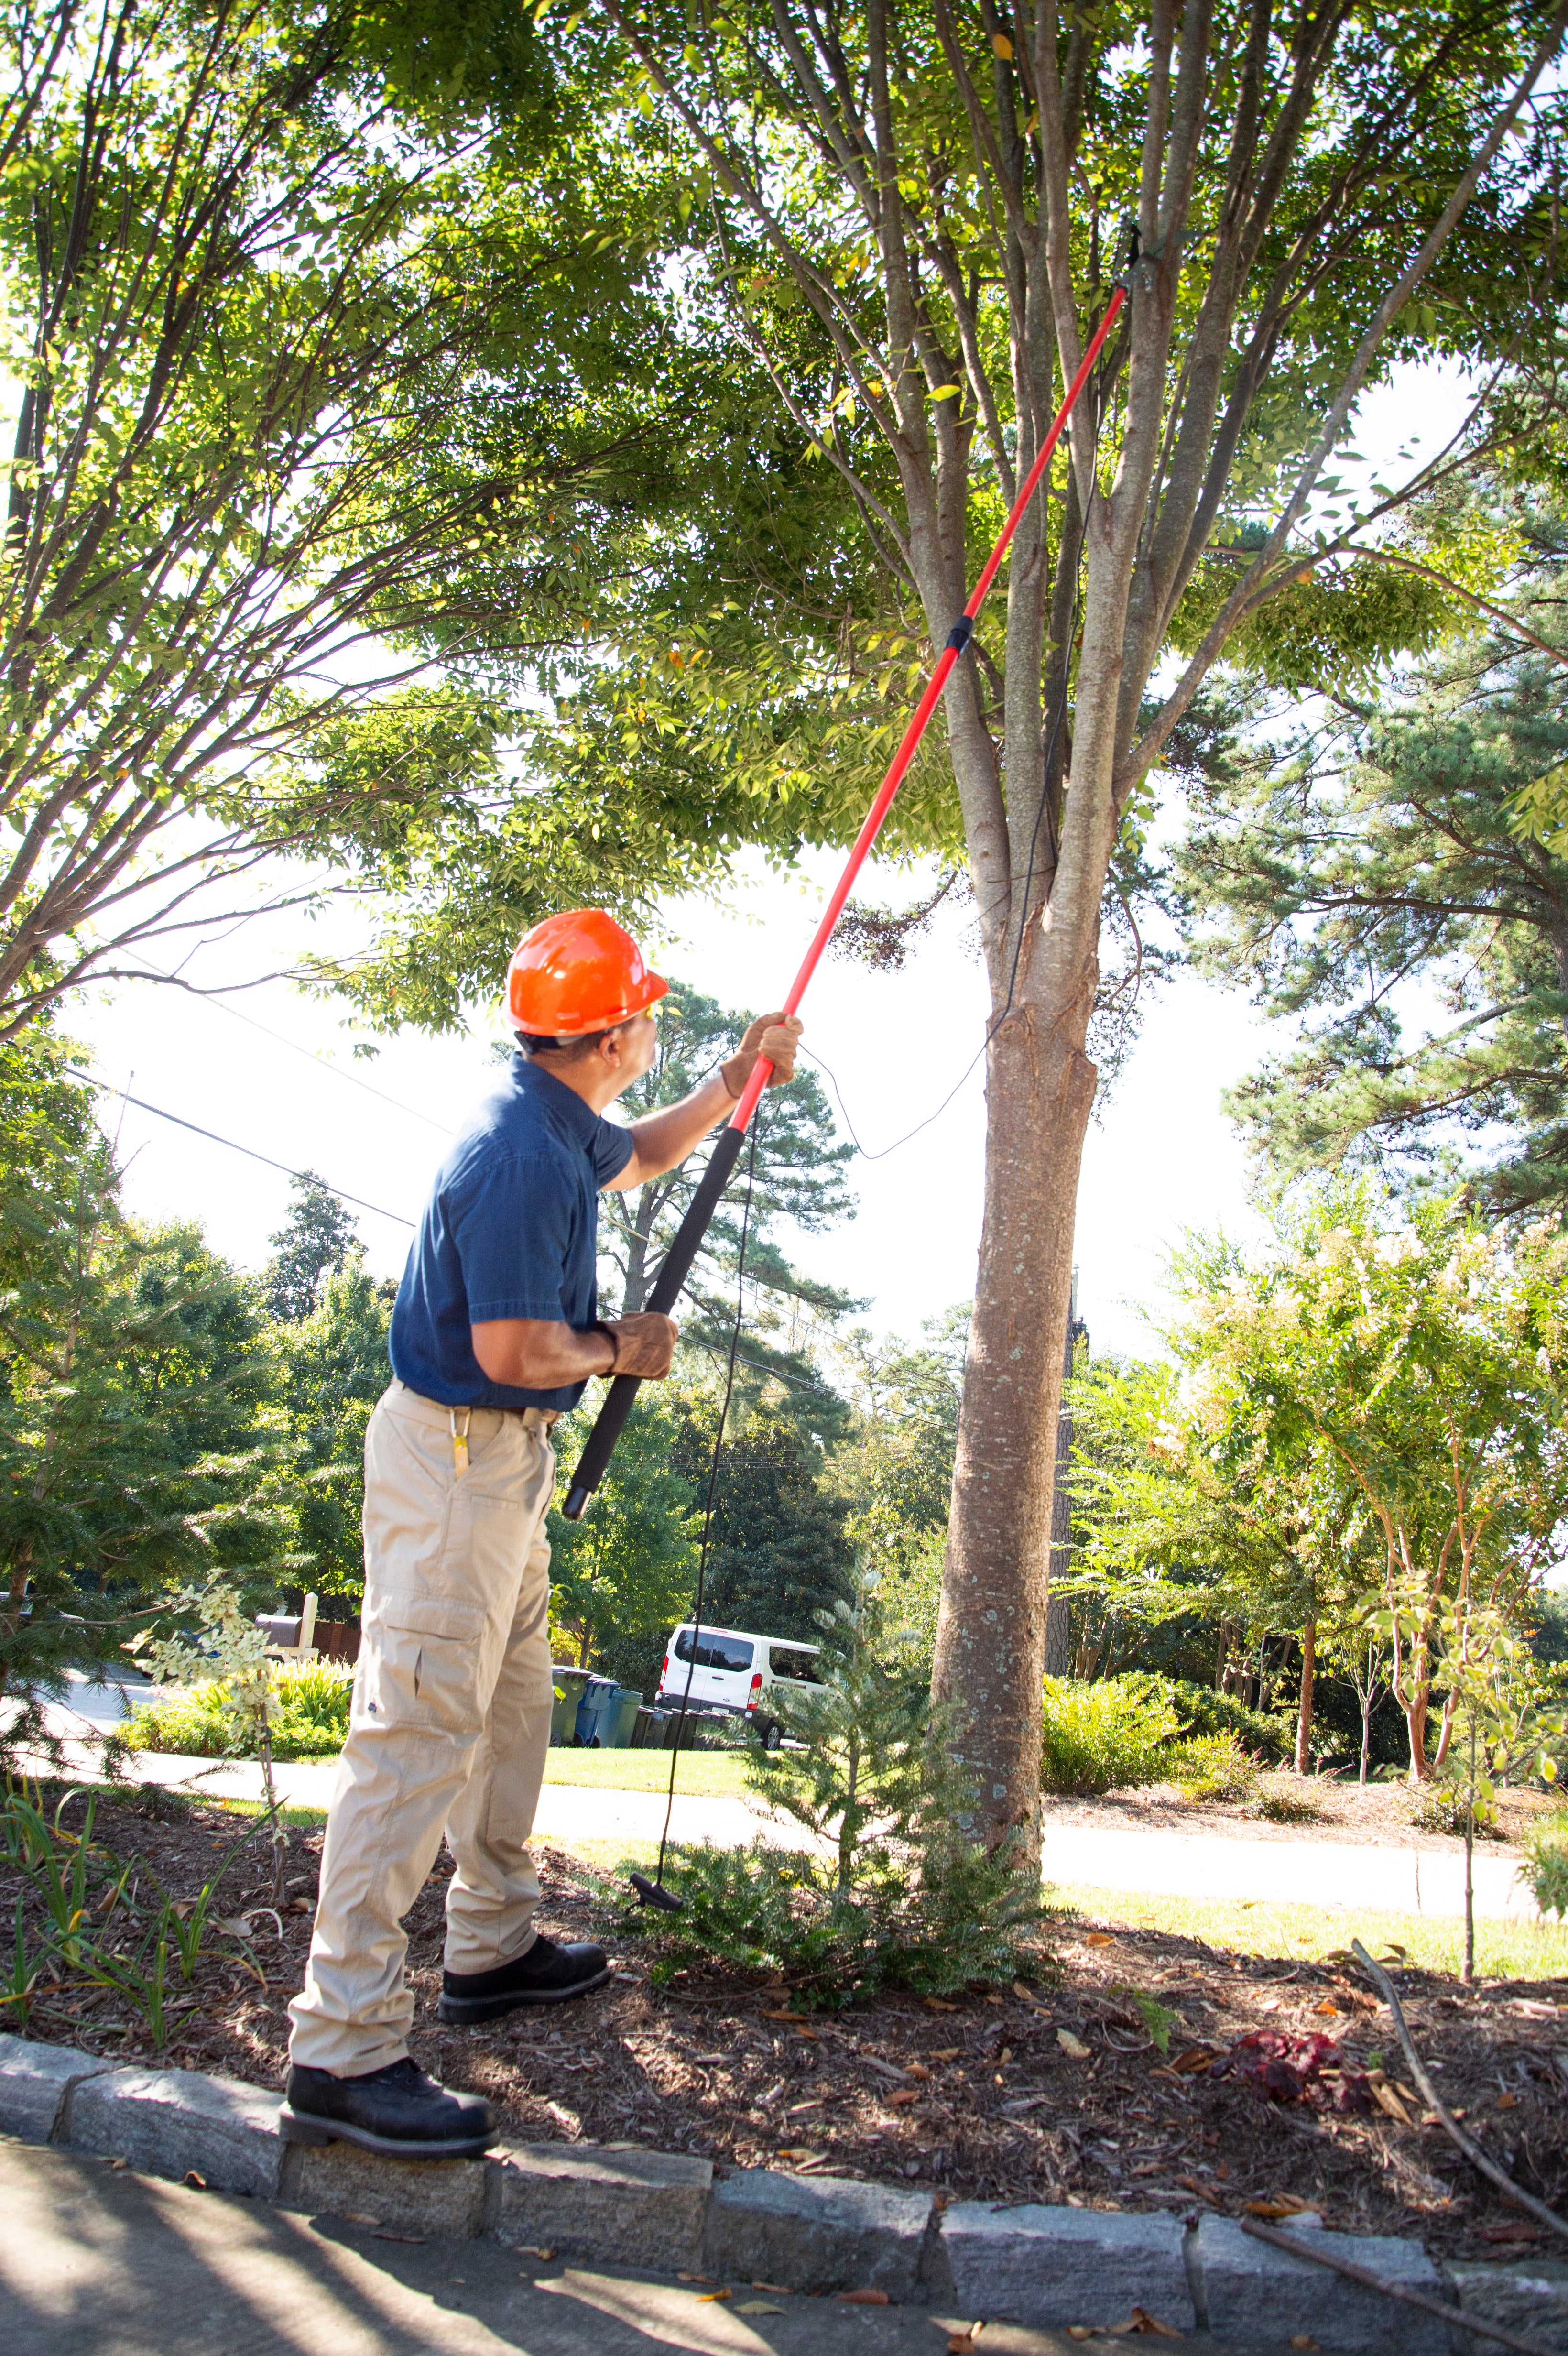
column 283, row 1039
column 308, row 1177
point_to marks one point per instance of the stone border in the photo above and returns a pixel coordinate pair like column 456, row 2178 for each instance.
column 669, row 2213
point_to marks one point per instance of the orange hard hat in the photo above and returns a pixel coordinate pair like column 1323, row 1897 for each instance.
column 577, row 972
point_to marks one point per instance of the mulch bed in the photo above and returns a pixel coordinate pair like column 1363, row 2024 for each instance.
column 984, row 2097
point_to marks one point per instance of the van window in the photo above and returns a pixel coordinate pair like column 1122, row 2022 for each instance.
column 712, row 1651
column 787, row 1663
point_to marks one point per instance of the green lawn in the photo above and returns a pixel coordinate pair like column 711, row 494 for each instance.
column 705, row 1774
column 1537, row 1950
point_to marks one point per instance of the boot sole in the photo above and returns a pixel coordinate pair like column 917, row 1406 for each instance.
column 304, row 2127
column 458, row 2009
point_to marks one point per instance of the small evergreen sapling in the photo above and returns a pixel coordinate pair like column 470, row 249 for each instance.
column 891, row 1894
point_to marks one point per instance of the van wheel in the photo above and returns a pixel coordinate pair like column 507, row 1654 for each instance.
column 773, row 1735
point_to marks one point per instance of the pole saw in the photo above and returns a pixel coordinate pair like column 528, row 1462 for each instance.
column 677, row 1261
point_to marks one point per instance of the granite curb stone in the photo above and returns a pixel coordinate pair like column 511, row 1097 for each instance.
column 35, row 2084
column 1049, row 2266
column 1249, row 2285
column 1531, row 2298
column 172, row 2122
column 1030, row 2263
column 818, row 2232
column 448, row 2197
column 628, row 2208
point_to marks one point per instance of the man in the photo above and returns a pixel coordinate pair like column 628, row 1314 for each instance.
column 494, row 1335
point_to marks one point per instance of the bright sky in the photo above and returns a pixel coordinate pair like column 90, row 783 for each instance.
column 1161, row 1157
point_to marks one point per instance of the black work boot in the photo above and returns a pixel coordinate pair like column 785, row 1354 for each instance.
column 543, row 1973
column 397, row 2111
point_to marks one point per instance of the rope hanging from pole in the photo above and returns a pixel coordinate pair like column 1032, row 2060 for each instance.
column 677, row 1261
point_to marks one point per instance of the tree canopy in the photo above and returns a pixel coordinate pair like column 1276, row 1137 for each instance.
column 1379, row 850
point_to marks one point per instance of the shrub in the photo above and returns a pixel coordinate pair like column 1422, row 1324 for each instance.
column 311, row 1720
column 1102, row 1735
column 1284, row 1801
column 1204, row 1711
column 1441, row 1808
column 1212, row 1767
column 1545, row 1869
column 930, row 1924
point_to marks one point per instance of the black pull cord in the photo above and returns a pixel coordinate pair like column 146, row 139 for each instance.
column 652, row 1892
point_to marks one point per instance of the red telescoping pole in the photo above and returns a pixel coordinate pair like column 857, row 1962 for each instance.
column 677, row 1261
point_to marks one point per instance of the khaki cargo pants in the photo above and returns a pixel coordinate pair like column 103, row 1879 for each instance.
column 449, row 1725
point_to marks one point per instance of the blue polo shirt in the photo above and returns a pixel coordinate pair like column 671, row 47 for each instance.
column 510, row 1230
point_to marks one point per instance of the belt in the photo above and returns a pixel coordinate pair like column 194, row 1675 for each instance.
column 463, row 1420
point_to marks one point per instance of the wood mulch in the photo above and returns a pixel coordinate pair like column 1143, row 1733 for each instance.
column 1055, row 2094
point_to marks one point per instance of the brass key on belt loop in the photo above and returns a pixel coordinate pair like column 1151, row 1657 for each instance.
column 460, row 1442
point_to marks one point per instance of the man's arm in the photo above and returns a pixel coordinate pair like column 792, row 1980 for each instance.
column 662, row 1139
column 535, row 1354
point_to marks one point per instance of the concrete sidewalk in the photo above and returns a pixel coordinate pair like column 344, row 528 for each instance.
column 97, row 2262
column 1154, row 1859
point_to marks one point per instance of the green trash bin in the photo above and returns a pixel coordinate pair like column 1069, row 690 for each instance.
column 568, row 1684
column 628, row 1703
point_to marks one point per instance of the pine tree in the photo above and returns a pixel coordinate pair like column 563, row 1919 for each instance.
column 335, row 1369
column 139, row 1446
column 874, row 1774
column 312, row 1243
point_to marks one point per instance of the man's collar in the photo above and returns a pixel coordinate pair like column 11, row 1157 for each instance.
column 531, row 1078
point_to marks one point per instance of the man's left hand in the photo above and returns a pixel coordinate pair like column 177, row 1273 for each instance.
column 774, row 1037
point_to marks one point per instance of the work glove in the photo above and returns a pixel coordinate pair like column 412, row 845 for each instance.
column 776, row 1036
column 644, row 1343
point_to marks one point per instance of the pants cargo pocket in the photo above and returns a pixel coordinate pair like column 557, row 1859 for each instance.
column 429, row 1669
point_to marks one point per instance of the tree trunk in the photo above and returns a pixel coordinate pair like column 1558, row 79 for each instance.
column 1058, row 1610
column 990, row 1638
column 1304, row 1712
column 1366, row 1701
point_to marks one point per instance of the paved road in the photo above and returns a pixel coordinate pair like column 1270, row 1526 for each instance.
column 1154, row 1859
column 97, row 2262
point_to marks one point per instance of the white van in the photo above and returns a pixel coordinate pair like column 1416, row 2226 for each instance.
column 735, row 1670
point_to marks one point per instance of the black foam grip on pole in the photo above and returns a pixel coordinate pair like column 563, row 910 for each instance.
column 611, row 1417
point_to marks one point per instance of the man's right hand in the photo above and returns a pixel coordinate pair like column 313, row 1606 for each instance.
column 644, row 1343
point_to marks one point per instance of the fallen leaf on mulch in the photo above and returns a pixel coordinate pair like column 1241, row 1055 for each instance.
column 779, row 2290
column 1513, row 2229
column 1141, row 2321
column 865, row 2298
column 381, row 2234
column 1099, row 1939
column 1191, row 2184
column 904, row 2094
column 1286, row 2205
column 939, row 2004
column 1195, row 2058
column 759, row 2306
column 707, row 2297
column 532, row 2250
column 1508, row 2102
column 1073, row 2046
